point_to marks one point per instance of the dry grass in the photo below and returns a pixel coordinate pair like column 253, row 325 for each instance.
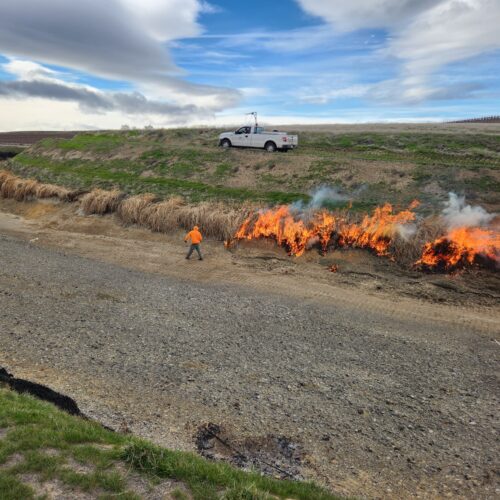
column 216, row 220
column 4, row 175
column 12, row 186
column 52, row 191
column 162, row 217
column 406, row 251
column 100, row 201
column 130, row 209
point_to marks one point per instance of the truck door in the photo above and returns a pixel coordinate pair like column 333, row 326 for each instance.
column 242, row 137
column 257, row 137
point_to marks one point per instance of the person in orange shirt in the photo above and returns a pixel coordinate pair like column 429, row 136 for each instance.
column 195, row 236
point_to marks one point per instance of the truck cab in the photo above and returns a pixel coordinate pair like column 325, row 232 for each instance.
column 253, row 136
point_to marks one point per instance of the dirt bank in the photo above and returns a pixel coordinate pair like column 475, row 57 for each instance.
column 379, row 393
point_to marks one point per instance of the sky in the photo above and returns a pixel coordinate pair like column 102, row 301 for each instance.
column 68, row 65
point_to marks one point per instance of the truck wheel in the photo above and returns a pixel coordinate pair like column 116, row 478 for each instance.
column 226, row 143
column 270, row 147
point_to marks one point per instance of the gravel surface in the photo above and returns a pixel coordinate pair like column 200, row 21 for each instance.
column 375, row 404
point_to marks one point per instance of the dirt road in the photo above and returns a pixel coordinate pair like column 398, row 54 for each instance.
column 374, row 394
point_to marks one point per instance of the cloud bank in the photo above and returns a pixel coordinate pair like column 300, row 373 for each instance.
column 424, row 35
column 122, row 40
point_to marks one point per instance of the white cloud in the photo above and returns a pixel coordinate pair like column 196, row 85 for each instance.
column 32, row 114
column 289, row 41
column 116, row 39
column 253, row 91
column 451, row 31
column 167, row 19
column 324, row 94
column 425, row 35
column 37, row 81
column 355, row 14
column 28, row 70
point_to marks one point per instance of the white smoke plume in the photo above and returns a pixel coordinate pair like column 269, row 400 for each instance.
column 406, row 231
column 326, row 194
column 457, row 214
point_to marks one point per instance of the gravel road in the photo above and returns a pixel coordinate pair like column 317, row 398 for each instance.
column 371, row 403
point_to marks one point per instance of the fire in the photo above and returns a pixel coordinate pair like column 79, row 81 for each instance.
column 298, row 231
column 461, row 247
column 376, row 231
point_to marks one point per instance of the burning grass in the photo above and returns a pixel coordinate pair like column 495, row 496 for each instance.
column 460, row 248
column 298, row 231
column 460, row 237
column 428, row 244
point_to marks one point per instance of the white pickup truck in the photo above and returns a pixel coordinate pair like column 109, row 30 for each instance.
column 257, row 137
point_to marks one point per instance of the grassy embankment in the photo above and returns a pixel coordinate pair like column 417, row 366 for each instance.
column 376, row 167
column 44, row 449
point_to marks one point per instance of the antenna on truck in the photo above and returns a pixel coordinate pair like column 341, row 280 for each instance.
column 254, row 114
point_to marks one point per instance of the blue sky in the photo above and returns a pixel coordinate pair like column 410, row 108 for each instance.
column 173, row 62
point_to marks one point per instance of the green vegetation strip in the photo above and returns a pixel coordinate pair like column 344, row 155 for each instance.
column 125, row 176
column 376, row 166
column 43, row 443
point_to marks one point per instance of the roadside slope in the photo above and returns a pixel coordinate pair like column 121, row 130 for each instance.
column 372, row 165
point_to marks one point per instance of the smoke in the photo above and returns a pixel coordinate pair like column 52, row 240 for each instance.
column 406, row 231
column 326, row 195
column 457, row 214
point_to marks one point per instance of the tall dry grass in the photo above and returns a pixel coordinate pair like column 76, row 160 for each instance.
column 52, row 191
column 100, row 201
column 215, row 219
column 162, row 217
column 19, row 189
column 408, row 250
column 130, row 209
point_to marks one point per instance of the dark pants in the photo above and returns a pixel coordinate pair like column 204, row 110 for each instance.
column 192, row 248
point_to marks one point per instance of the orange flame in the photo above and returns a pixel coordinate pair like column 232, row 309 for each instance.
column 376, row 231
column 296, row 232
column 461, row 247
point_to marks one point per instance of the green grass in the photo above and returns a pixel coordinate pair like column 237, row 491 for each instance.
column 187, row 162
column 99, row 142
column 11, row 149
column 81, row 174
column 49, row 441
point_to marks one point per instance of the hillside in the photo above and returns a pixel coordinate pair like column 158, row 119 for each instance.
column 369, row 164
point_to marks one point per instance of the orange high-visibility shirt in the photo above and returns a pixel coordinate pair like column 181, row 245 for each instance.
column 195, row 236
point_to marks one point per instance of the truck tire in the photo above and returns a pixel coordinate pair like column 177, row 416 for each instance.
column 270, row 147
column 225, row 143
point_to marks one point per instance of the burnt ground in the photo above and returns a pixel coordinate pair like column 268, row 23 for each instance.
column 340, row 377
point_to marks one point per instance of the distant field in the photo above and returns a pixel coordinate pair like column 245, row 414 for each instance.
column 28, row 138
column 370, row 163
